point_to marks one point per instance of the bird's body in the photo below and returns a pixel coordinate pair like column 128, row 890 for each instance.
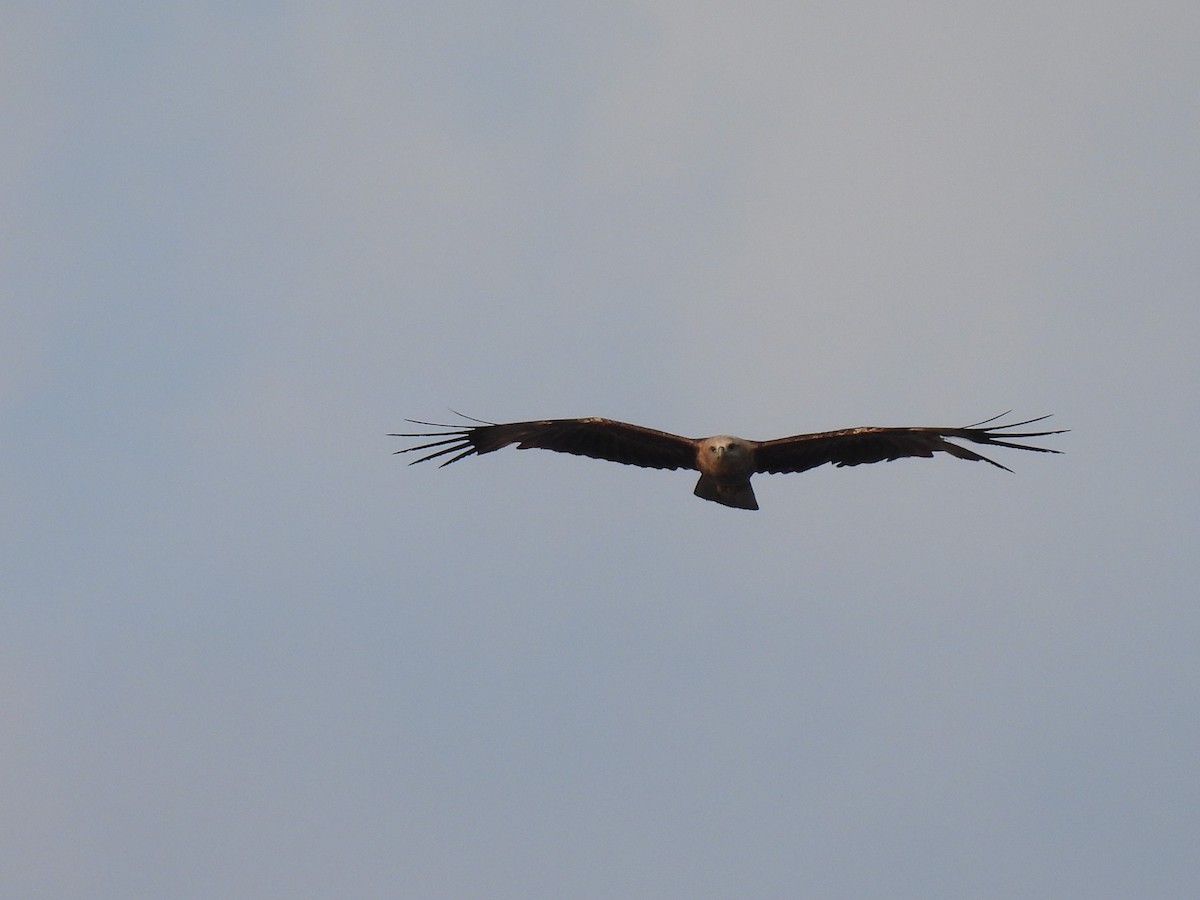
column 725, row 463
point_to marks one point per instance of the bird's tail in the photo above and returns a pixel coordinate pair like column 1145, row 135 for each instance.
column 739, row 496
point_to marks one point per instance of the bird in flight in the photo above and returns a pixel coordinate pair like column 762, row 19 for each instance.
column 725, row 462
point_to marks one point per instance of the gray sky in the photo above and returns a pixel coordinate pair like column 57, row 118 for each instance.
column 245, row 652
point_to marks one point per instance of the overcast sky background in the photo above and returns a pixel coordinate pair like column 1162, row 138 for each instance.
column 246, row 652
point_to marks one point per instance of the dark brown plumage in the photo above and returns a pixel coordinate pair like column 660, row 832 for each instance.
column 725, row 462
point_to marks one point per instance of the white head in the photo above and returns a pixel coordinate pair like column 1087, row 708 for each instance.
column 725, row 456
column 723, row 445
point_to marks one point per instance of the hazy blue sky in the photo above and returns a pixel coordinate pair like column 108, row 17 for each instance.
column 246, row 652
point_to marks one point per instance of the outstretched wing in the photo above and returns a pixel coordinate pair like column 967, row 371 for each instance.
column 598, row 438
column 854, row 446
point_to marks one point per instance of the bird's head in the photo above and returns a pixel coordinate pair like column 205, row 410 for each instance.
column 725, row 457
column 724, row 447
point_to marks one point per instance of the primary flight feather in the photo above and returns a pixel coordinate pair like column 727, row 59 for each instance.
column 725, row 462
